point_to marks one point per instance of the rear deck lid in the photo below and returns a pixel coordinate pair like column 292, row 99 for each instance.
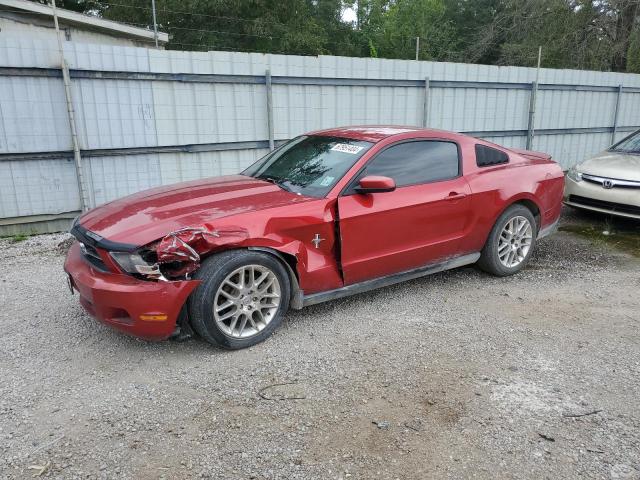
column 531, row 154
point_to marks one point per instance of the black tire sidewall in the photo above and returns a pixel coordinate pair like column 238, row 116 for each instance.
column 489, row 260
column 212, row 272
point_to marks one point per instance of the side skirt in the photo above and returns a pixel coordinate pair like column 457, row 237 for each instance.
column 367, row 285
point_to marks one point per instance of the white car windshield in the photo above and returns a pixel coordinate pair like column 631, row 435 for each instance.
column 631, row 144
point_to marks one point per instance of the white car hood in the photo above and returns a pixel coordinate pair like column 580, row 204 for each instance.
column 623, row 166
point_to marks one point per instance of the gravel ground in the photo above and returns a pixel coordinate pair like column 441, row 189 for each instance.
column 457, row 375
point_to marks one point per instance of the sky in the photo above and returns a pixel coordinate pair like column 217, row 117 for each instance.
column 349, row 15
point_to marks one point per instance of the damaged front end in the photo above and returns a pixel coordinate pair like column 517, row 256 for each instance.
column 149, row 301
column 177, row 255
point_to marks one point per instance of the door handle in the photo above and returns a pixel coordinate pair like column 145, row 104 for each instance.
column 455, row 196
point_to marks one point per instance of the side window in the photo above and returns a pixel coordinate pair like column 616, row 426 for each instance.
column 422, row 161
column 487, row 156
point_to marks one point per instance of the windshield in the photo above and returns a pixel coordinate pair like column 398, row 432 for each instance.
column 309, row 165
column 631, row 144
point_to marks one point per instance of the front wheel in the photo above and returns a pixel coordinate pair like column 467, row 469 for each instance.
column 242, row 298
column 510, row 243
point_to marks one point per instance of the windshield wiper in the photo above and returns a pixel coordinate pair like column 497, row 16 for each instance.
column 276, row 181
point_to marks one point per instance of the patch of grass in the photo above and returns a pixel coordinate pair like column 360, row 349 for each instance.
column 605, row 234
column 18, row 238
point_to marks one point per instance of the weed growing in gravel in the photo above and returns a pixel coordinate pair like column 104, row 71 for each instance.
column 18, row 238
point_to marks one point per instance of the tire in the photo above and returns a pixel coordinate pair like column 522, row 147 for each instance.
column 224, row 326
column 493, row 258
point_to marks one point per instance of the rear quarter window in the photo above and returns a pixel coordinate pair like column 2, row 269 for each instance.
column 487, row 156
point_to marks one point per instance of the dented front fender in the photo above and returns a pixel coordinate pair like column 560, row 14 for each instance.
column 305, row 234
column 182, row 249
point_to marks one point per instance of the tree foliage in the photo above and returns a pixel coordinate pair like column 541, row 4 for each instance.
column 392, row 28
column 585, row 34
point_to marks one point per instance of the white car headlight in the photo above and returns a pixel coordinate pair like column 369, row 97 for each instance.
column 133, row 263
column 574, row 174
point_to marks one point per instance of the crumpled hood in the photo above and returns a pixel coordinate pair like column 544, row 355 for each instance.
column 146, row 216
column 623, row 166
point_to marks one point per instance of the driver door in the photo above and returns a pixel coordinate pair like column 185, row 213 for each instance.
column 420, row 222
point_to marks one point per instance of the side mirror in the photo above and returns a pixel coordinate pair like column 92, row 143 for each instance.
column 375, row 184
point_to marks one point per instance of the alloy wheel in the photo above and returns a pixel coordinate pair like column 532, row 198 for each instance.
column 515, row 241
column 246, row 301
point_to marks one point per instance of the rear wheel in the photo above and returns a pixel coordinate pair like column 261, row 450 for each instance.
column 510, row 243
column 242, row 299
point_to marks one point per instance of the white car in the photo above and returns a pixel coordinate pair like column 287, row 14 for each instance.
column 609, row 182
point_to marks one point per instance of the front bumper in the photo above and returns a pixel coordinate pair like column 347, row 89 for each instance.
column 624, row 202
column 146, row 309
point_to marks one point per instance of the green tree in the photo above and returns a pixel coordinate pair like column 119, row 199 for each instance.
column 633, row 55
column 288, row 26
column 572, row 33
column 473, row 21
column 391, row 28
column 82, row 6
column 625, row 13
column 583, row 34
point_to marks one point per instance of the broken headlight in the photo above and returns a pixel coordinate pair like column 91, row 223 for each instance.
column 135, row 264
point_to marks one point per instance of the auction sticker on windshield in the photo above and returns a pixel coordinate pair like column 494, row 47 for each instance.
column 343, row 147
column 326, row 181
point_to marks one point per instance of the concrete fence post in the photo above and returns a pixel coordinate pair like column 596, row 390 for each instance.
column 532, row 115
column 425, row 107
column 269, row 109
column 615, row 115
column 155, row 22
column 66, row 79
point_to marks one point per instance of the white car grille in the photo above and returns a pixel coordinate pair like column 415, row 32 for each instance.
column 606, row 182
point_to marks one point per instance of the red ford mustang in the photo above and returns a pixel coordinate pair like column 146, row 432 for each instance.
column 328, row 214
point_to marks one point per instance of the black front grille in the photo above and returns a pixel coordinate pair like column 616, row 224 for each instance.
column 89, row 251
column 611, row 206
column 92, row 256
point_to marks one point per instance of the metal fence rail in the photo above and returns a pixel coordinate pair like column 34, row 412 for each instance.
column 148, row 117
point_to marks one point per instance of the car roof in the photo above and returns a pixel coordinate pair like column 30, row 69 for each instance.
column 377, row 133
